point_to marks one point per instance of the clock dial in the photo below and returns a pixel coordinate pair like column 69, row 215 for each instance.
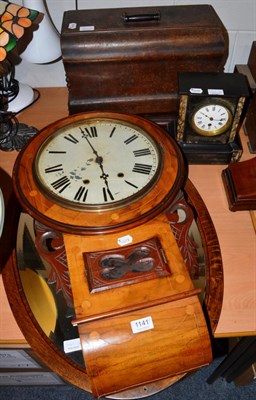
column 97, row 163
column 211, row 119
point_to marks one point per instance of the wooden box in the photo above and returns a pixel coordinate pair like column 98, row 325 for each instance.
column 128, row 60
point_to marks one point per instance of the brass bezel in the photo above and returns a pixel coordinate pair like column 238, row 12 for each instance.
column 214, row 132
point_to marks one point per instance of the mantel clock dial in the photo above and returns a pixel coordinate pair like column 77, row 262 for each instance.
column 211, row 118
column 120, row 168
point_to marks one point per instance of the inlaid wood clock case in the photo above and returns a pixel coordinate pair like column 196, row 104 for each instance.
column 129, row 261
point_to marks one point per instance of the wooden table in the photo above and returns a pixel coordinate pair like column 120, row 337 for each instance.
column 237, row 239
column 235, row 230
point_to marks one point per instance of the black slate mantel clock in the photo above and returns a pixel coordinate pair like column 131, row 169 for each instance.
column 210, row 114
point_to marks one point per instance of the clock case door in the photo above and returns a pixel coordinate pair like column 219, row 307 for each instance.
column 198, row 89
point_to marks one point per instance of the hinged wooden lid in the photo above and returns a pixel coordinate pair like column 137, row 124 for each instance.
column 91, row 22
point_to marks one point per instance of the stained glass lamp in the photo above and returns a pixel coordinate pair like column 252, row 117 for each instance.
column 43, row 49
column 14, row 20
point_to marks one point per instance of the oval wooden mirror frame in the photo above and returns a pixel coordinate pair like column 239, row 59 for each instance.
column 42, row 346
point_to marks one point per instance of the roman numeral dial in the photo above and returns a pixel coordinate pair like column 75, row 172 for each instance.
column 98, row 163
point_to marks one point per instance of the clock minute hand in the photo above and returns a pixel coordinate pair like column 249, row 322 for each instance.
column 99, row 160
column 86, row 137
column 205, row 115
column 211, row 118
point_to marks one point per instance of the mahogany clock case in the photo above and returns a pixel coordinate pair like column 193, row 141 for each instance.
column 127, row 59
column 240, row 182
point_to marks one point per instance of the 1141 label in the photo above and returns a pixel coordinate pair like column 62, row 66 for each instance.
column 142, row 324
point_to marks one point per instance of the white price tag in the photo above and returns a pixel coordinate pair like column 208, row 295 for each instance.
column 72, row 25
column 86, row 28
column 141, row 325
column 196, row 90
column 122, row 241
column 72, row 345
column 219, row 92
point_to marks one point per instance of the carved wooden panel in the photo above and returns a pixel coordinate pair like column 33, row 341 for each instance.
column 132, row 264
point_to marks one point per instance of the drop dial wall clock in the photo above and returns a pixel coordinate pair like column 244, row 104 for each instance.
column 110, row 184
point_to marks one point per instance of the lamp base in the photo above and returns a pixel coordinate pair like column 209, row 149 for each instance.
column 15, row 137
column 24, row 98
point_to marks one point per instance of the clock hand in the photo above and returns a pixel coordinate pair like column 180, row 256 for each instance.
column 104, row 176
column 85, row 136
column 99, row 160
column 205, row 115
column 211, row 118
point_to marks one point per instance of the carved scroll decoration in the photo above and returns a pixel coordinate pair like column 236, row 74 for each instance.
column 181, row 216
column 50, row 246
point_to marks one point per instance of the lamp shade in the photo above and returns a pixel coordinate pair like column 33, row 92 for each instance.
column 45, row 46
column 14, row 20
